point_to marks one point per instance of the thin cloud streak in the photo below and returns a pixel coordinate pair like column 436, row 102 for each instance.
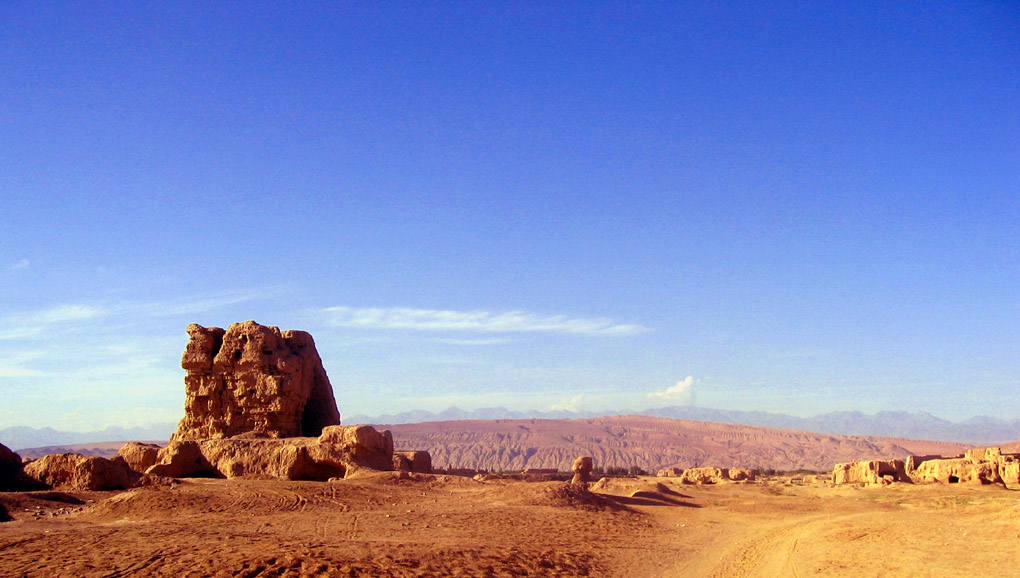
column 7, row 371
column 63, row 314
column 475, row 342
column 39, row 323
column 35, row 323
column 201, row 304
column 473, row 321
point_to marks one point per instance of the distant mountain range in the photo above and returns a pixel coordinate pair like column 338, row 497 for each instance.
column 897, row 424
column 21, row 437
column 920, row 426
column 650, row 443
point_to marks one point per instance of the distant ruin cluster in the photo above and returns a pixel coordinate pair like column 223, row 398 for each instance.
column 981, row 466
column 709, row 475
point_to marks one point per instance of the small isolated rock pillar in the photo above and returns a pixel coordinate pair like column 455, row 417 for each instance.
column 582, row 470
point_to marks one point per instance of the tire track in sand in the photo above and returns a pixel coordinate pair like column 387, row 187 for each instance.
column 143, row 567
column 771, row 552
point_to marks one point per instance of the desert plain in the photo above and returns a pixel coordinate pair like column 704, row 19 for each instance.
column 399, row 524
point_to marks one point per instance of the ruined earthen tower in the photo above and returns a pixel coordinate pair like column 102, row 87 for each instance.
column 253, row 378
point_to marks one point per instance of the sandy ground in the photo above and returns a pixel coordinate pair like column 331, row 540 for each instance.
column 379, row 525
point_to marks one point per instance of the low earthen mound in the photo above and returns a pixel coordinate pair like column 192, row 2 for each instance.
column 10, row 469
column 743, row 474
column 626, row 486
column 182, row 459
column 361, row 445
column 253, row 378
column 627, row 492
column 417, row 462
column 571, row 495
column 77, row 472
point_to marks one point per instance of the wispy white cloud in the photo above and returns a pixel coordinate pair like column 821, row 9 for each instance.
column 65, row 314
column 197, row 304
column 12, row 371
column 22, row 264
column 800, row 354
column 473, row 321
column 21, row 363
column 475, row 342
column 30, row 324
column 42, row 322
column 683, row 391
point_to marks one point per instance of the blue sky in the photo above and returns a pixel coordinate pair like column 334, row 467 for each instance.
column 796, row 207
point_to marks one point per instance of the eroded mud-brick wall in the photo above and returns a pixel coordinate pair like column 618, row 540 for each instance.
column 254, row 379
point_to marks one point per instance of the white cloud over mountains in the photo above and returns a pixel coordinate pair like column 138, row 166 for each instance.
column 473, row 321
column 569, row 404
column 682, row 392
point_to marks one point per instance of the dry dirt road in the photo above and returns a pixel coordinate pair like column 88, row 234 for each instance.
column 380, row 525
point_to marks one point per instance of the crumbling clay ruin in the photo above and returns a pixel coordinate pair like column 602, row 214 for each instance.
column 137, row 456
column 78, row 472
column 73, row 472
column 981, row 466
column 959, row 470
column 978, row 466
column 253, row 378
column 259, row 403
column 704, row 475
column 871, row 472
column 339, row 452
